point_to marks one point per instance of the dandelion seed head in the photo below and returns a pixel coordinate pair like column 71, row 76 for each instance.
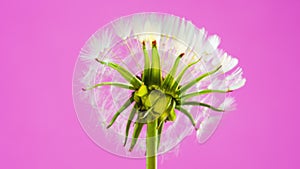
column 121, row 42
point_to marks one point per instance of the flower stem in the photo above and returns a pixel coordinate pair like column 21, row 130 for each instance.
column 151, row 143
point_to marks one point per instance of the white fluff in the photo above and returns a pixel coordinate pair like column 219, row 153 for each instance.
column 123, row 28
column 97, row 44
column 228, row 104
column 228, row 62
column 207, row 127
column 236, row 80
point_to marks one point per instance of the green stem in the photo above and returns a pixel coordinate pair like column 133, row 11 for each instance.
column 151, row 143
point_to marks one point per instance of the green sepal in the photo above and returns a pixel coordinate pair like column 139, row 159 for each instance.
column 136, row 98
column 131, row 116
column 172, row 115
column 189, row 115
column 152, row 98
column 170, row 76
column 117, row 84
column 155, row 70
column 180, row 76
column 132, row 79
column 146, row 73
column 193, row 82
column 136, row 132
column 166, row 114
column 162, row 104
column 125, row 105
column 207, row 91
column 162, row 118
column 142, row 91
column 193, row 103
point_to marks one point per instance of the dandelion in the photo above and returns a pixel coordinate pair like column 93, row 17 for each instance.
column 144, row 82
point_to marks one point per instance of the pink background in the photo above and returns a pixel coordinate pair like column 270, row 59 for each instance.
column 40, row 42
